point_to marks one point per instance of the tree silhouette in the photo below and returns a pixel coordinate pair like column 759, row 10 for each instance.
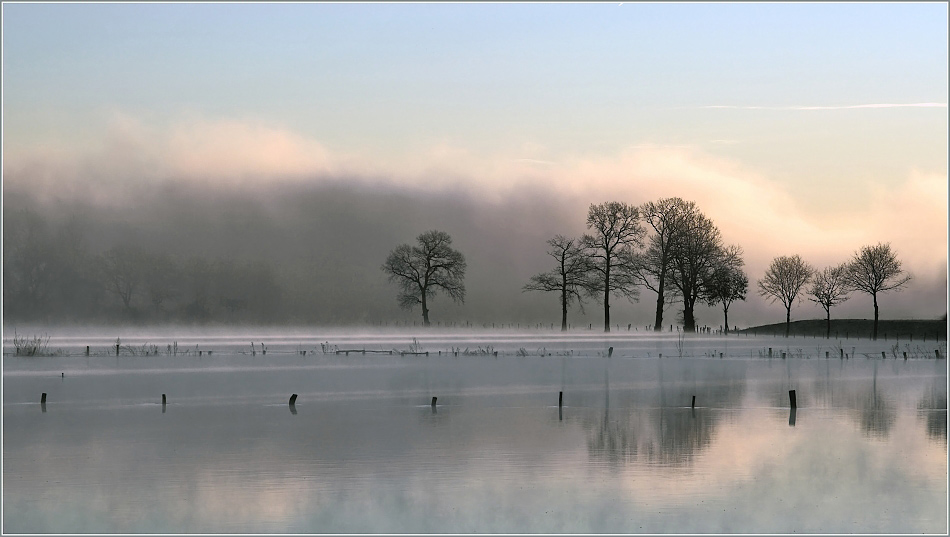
column 422, row 271
column 876, row 269
column 655, row 264
column 567, row 278
column 696, row 251
column 123, row 271
column 829, row 288
column 728, row 282
column 616, row 231
column 783, row 281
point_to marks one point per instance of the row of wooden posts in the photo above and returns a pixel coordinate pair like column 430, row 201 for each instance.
column 843, row 355
column 293, row 401
column 610, row 352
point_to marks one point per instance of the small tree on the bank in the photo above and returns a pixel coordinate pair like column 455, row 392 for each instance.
column 829, row 288
column 610, row 250
column 783, row 281
column 422, row 271
column 567, row 278
column 876, row 269
column 728, row 282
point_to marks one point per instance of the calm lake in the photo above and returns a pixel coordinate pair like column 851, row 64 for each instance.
column 362, row 450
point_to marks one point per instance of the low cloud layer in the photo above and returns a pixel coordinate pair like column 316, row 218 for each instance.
column 527, row 194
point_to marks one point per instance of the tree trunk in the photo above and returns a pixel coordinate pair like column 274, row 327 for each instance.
column 425, row 311
column 725, row 314
column 607, row 299
column 563, row 309
column 874, row 333
column 689, row 320
column 828, row 323
column 788, row 319
column 658, row 325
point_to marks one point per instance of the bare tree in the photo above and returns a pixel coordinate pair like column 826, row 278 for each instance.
column 696, row 251
column 160, row 280
column 422, row 271
column 123, row 272
column 876, row 269
column 655, row 264
column 829, row 287
column 568, row 278
column 610, row 249
column 783, row 281
column 728, row 282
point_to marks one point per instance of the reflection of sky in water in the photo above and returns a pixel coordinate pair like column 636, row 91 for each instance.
column 365, row 452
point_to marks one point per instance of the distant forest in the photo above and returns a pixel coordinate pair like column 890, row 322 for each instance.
column 307, row 256
column 49, row 274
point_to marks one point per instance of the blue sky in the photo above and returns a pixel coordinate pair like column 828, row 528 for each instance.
column 356, row 75
column 593, row 100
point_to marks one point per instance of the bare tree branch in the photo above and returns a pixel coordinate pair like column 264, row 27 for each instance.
column 610, row 250
column 783, row 281
column 876, row 269
column 422, row 271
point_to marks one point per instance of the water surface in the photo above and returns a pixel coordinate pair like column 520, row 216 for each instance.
column 362, row 450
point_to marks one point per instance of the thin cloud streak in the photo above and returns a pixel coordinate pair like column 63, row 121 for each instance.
column 846, row 107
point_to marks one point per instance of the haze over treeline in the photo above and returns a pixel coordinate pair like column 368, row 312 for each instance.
column 310, row 253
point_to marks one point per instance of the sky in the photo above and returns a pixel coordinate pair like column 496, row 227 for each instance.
column 810, row 128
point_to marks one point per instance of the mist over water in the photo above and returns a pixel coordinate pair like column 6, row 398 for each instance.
column 311, row 254
column 363, row 450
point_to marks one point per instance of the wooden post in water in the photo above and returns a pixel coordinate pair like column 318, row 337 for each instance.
column 87, row 350
column 937, row 353
column 560, row 399
column 791, row 398
column 43, row 398
column 693, row 405
column 826, row 354
column 883, row 356
column 905, row 355
column 842, row 353
column 770, row 352
column 434, row 398
column 783, row 356
column 163, row 399
column 610, row 352
column 293, row 399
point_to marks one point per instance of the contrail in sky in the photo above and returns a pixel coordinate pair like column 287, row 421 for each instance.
column 848, row 107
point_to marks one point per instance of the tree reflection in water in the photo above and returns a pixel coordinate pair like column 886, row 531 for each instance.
column 932, row 410
column 877, row 414
column 665, row 430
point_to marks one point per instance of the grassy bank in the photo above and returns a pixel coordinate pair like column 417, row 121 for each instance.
column 857, row 328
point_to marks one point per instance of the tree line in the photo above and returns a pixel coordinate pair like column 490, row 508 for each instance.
column 871, row 270
column 668, row 247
